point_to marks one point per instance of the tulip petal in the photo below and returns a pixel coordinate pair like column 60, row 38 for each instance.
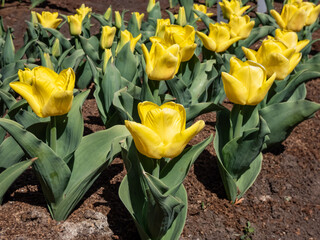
column 302, row 44
column 234, row 89
column 294, row 60
column 66, row 79
column 297, row 21
column 165, row 122
column 262, row 91
column 26, row 91
column 207, row 42
column 147, row 141
column 144, row 108
column 59, row 103
column 180, row 140
column 187, row 52
column 250, row 54
column 180, row 109
column 278, row 19
column 279, row 64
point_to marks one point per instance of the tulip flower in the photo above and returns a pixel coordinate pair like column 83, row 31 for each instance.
column 56, row 48
column 161, row 63
column 292, row 18
column 49, row 20
column 125, row 37
column 139, row 18
column 219, row 38
column 107, row 36
column 34, row 18
column 202, row 8
column 161, row 25
column 240, row 26
column 183, row 36
column 48, row 93
column 162, row 130
column 84, row 11
column 246, row 83
column 275, row 57
column 312, row 12
column 290, row 39
column 232, row 7
column 75, row 24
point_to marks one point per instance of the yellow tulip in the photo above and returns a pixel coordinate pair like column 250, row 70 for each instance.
column 162, row 130
column 49, row 20
column 161, row 63
column 151, row 5
column 312, row 12
column 75, row 24
column 181, row 17
column 275, row 57
column 240, row 26
column 84, row 11
column 246, row 83
column 219, row 38
column 118, row 19
column 34, row 18
column 290, row 39
column 56, row 48
column 48, row 93
column 232, row 7
column 125, row 37
column 292, row 18
column 202, row 8
column 107, row 36
column 183, row 36
column 161, row 25
column 139, row 18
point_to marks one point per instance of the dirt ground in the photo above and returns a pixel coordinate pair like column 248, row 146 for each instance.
column 284, row 202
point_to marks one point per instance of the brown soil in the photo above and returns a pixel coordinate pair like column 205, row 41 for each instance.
column 282, row 204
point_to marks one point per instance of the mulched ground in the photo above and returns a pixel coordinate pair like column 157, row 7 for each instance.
column 282, row 204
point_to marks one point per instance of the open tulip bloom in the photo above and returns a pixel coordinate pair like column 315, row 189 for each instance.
column 157, row 164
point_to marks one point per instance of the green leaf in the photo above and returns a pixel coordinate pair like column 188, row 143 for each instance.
column 283, row 117
column 73, row 60
column 197, row 109
column 126, row 63
column 70, row 127
column 294, row 81
column 180, row 91
column 7, row 98
column 206, row 20
column 239, row 153
column 8, row 48
column 10, row 153
column 89, row 49
column 175, row 171
column 87, row 166
column 65, row 43
column 8, row 176
column 52, row 170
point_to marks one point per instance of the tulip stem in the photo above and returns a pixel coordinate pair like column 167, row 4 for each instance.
column 53, row 133
column 156, row 170
column 77, row 42
column 238, row 126
column 154, row 87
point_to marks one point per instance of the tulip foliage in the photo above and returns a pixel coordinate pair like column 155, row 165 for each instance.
column 152, row 77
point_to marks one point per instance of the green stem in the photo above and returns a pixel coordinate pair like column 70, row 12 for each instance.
column 239, row 122
column 53, row 133
column 154, row 87
column 77, row 42
column 156, row 170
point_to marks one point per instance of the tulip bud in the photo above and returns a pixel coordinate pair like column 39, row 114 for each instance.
column 181, row 18
column 161, row 24
column 151, row 5
column 108, row 14
column 118, row 19
column 75, row 24
column 107, row 36
column 56, row 48
column 34, row 18
column 47, row 61
column 139, row 18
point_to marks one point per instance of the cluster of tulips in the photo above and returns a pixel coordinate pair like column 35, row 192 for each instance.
column 151, row 80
